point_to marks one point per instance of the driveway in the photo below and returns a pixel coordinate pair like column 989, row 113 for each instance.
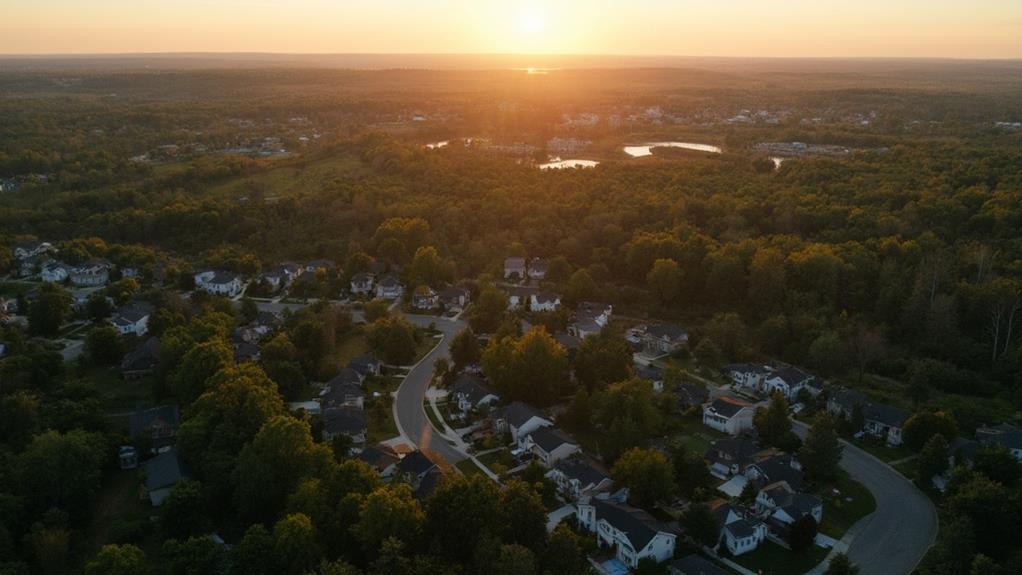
column 895, row 537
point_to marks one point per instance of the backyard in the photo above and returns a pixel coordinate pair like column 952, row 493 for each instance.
column 772, row 559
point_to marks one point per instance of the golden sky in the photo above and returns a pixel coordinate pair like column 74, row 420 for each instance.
column 784, row 28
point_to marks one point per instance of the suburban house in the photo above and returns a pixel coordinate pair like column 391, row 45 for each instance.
column 537, row 269
column 651, row 374
column 518, row 419
column 219, row 282
column 748, row 375
column 389, row 288
column 1005, row 434
column 31, row 249
column 382, row 458
column 767, row 468
column 365, row 365
column 881, row 420
column 580, row 476
column 425, row 298
column 730, row 415
column 544, row 301
column 550, row 445
column 517, row 297
column 788, row 381
column 314, row 266
column 162, row 473
column 53, row 271
column 158, row 424
column 514, row 268
column 731, row 456
column 633, row 534
column 455, row 298
column 470, row 392
column 133, row 318
column 90, row 273
column 343, row 394
column 786, row 505
column 415, row 467
column 362, row 283
column 740, row 530
column 345, row 420
column 590, row 318
column 695, row 565
column 281, row 276
column 142, row 360
column 663, row 338
column 690, row 395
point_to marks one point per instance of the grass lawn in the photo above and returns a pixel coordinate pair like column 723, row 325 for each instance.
column 117, row 393
column 348, row 348
column 503, row 457
column 380, row 428
column 881, row 450
column 119, row 515
column 907, row 468
column 839, row 513
column 433, row 419
column 424, row 347
column 772, row 559
column 691, row 432
column 469, row 468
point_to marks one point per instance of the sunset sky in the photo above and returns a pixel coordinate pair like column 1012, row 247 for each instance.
column 800, row 28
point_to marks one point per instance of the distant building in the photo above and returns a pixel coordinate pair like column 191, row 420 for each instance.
column 729, row 415
column 514, row 268
column 219, row 282
column 91, row 273
column 133, row 318
column 633, row 534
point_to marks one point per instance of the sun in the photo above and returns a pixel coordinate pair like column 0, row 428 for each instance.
column 532, row 18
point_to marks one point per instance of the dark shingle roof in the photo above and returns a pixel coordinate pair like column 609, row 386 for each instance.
column 518, row 412
column 667, row 331
column 690, row 394
column 581, row 468
column 550, row 438
column 637, row 525
column 363, row 364
column 727, row 406
column 472, row 387
column 164, row 470
column 416, row 463
column 346, row 420
column 379, row 456
column 346, row 375
column 142, row 358
column 791, row 375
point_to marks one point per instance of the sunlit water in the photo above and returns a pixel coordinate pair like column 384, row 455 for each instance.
column 557, row 164
column 647, row 149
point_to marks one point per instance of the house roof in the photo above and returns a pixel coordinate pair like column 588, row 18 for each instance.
column 363, row 364
column 221, row 277
column 537, row 265
column 728, row 406
column 142, row 358
column 135, row 311
column 518, row 412
column 735, row 449
column 388, row 281
column 379, row 456
column 546, row 297
column 691, row 394
column 791, row 375
column 1004, row 434
column 453, row 293
column 141, row 420
column 741, row 528
column 567, row 340
column 696, row 565
column 886, row 414
column 472, row 387
column 514, row 263
column 345, row 419
column 747, row 368
column 361, row 278
column 594, row 308
column 638, row 526
column 428, row 484
column 779, row 468
column 668, row 331
column 550, row 438
column 848, row 398
column 339, row 394
column 346, row 375
column 416, row 463
column 583, row 469
column 164, row 470
column 245, row 351
column 649, row 372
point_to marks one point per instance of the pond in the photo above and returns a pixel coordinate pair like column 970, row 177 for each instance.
column 642, row 150
column 557, row 164
column 435, row 145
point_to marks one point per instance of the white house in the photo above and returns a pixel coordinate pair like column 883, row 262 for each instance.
column 219, row 282
column 549, row 445
column 53, row 271
column 633, row 534
column 425, row 298
column 748, row 375
column 741, row 532
column 883, row 421
column 579, row 476
column 469, row 392
column 730, row 415
column 537, row 269
column 519, row 419
column 389, row 288
column 132, row 319
column 664, row 338
column 788, row 381
column 31, row 249
column 455, row 298
column 90, row 273
column 786, row 505
column 362, row 283
column 514, row 268
column 544, row 301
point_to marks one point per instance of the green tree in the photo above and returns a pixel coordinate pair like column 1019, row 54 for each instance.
column 392, row 339
column 820, row 455
column 254, row 554
column 104, row 345
column 646, row 473
column 295, row 547
column 460, row 513
column 280, row 359
column 802, row 534
column 700, row 524
column 49, row 311
column 982, row 501
column 249, row 309
column 487, row 313
column 581, row 287
column 427, row 268
column 933, row 460
column 774, row 426
column 564, row 554
column 690, row 471
column 198, row 365
column 533, row 368
column 514, row 560
column 62, row 470
column 389, row 511
column 921, row 427
column 185, row 512
column 708, row 353
column 194, row 555
column 997, row 463
column 375, row 309
column 118, row 560
column 840, row 564
column 602, row 359
column 827, row 353
column 465, row 348
column 664, row 280
column 522, row 516
column 98, row 307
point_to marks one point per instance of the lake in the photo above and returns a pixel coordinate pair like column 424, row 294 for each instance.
column 557, row 164
column 643, row 150
column 436, row 145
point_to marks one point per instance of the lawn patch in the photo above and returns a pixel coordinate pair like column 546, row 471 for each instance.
column 776, row 560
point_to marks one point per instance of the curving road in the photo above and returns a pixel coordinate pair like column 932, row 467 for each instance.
column 895, row 537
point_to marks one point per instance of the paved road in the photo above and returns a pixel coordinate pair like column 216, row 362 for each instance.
column 894, row 538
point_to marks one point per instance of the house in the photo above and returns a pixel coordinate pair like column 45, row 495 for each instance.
column 53, row 271
column 579, row 476
column 664, row 338
column 730, row 415
column 775, row 467
column 583, row 327
column 750, row 376
column 142, row 360
column 345, row 420
column 549, row 444
column 537, row 269
column 365, row 365
column 133, row 318
column 788, row 381
column 881, row 420
column 219, row 282
column 245, row 351
column 343, row 394
column 347, row 374
column 315, row 265
column 455, row 298
column 31, row 249
column 517, row 297
column 544, row 301
column 590, row 318
column 651, row 374
column 162, row 473
column 414, row 467
column 428, row 484
column 1005, row 435
column 425, row 298
column 470, row 392
column 514, row 269
column 519, row 419
column 740, row 530
column 158, row 424
column 695, row 565
column 731, row 456
column 689, row 395
column 382, row 458
column 90, row 273
column 633, row 534
column 782, row 503
column 389, row 288
column 362, row 283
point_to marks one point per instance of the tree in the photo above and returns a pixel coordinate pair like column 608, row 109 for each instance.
column 533, row 368
column 295, row 548
column 185, row 512
column 198, row 365
column 827, row 353
column 49, row 311
column 802, row 533
column 487, row 313
column 194, row 555
column 921, row 427
column 773, row 425
column 932, row 460
column 580, row 287
column 280, row 359
column 118, row 560
column 393, row 339
column 997, row 463
column 465, row 348
column 427, row 268
column 98, row 307
column 254, row 554
column 701, row 525
column 522, row 516
column 602, row 359
column 104, row 345
column 579, row 415
column 707, row 352
column 840, row 564
column 982, row 501
column 514, row 560
column 820, row 455
column 460, row 513
column 690, row 471
column 664, row 280
column 62, row 470
column 249, row 309
column 646, row 473
column 389, row 511
column 375, row 309
column 564, row 554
